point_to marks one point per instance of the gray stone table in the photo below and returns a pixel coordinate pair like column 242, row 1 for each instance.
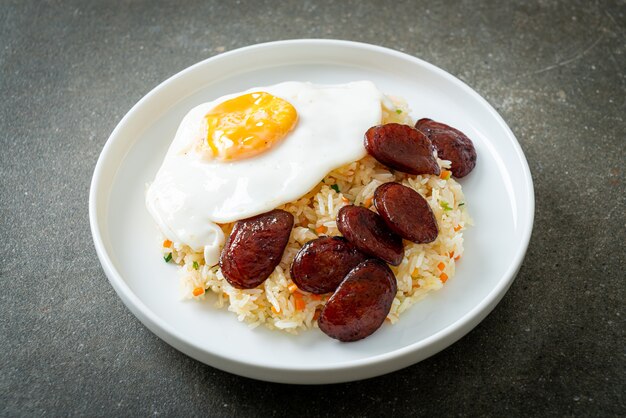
column 69, row 70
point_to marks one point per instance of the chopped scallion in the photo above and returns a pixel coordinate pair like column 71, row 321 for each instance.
column 461, row 204
column 335, row 188
column 196, row 266
column 445, row 205
column 398, row 111
column 168, row 257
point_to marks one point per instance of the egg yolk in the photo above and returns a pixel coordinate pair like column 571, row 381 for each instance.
column 248, row 125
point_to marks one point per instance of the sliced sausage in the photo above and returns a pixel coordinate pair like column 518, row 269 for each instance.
column 406, row 212
column 367, row 231
column 361, row 303
column 255, row 248
column 322, row 264
column 402, row 148
column 451, row 144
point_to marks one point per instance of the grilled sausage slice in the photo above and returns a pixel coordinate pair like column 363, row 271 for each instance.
column 406, row 212
column 367, row 231
column 451, row 144
column 361, row 303
column 322, row 264
column 402, row 148
column 255, row 248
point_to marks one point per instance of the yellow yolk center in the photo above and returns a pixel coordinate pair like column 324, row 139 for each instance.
column 248, row 125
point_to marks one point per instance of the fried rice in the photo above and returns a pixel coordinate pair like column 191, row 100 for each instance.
column 279, row 304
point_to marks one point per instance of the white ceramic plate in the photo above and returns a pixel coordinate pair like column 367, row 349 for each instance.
column 499, row 195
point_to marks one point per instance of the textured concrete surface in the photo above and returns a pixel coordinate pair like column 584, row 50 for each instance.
column 555, row 71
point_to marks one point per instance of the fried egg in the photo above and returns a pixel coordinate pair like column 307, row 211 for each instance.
column 247, row 153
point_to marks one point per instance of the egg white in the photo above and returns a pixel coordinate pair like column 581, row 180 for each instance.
column 192, row 192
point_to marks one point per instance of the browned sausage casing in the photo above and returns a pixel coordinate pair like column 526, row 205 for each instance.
column 322, row 264
column 367, row 231
column 255, row 248
column 402, row 148
column 361, row 303
column 406, row 212
column 452, row 145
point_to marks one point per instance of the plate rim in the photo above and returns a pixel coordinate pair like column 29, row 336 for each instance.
column 378, row 364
